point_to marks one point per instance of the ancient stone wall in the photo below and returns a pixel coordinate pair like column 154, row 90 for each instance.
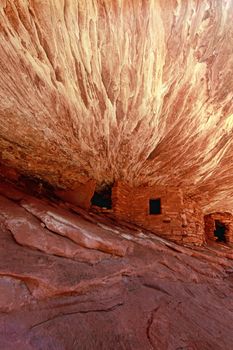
column 180, row 220
column 225, row 218
column 193, row 222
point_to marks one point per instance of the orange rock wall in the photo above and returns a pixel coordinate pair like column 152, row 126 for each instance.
column 180, row 220
column 7, row 172
column 80, row 195
column 225, row 218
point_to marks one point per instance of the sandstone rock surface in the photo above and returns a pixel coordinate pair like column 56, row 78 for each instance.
column 57, row 295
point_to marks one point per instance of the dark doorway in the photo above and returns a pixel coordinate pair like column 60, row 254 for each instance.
column 220, row 231
column 103, row 198
column 155, row 206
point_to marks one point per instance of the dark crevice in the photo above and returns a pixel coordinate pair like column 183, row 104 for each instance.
column 103, row 198
column 112, row 308
column 156, row 287
column 149, row 324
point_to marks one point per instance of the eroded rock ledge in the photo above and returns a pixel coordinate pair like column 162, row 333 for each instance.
column 70, row 279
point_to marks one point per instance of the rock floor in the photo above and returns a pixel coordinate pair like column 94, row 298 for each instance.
column 72, row 280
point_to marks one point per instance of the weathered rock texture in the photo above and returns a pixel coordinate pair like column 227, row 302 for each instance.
column 81, row 195
column 181, row 220
column 62, row 289
column 134, row 90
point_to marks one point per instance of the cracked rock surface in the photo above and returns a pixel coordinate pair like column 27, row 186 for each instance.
column 57, row 293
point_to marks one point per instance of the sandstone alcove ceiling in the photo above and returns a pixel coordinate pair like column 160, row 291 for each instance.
column 136, row 90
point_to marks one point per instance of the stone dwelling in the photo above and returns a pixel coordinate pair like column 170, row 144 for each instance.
column 219, row 227
column 164, row 210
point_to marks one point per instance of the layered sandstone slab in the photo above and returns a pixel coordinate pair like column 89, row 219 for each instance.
column 159, row 295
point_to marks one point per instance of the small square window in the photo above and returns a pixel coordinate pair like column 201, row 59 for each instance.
column 155, row 206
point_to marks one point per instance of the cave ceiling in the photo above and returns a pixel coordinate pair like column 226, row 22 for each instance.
column 138, row 90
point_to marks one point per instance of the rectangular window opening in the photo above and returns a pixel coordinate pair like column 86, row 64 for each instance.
column 155, row 206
